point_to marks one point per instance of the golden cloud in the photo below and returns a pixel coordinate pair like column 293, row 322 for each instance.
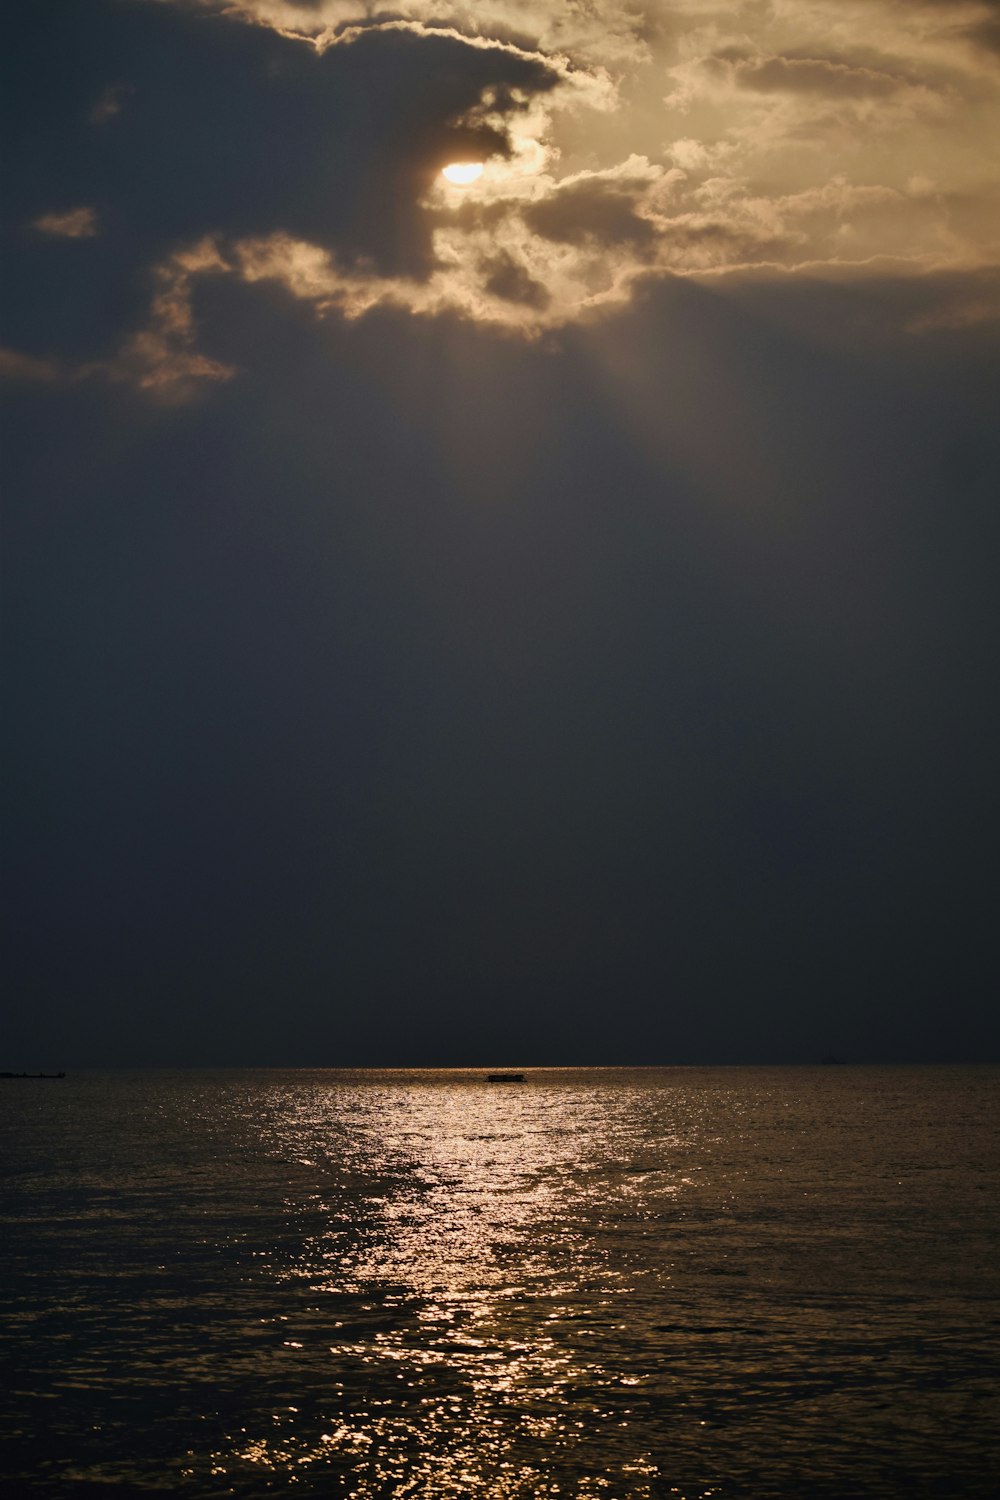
column 668, row 139
column 71, row 224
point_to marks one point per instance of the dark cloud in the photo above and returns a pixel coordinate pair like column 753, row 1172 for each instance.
column 230, row 129
column 792, row 74
column 713, row 240
column 981, row 27
column 593, row 208
column 505, row 277
column 987, row 33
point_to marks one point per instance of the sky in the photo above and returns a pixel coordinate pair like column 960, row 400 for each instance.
column 551, row 619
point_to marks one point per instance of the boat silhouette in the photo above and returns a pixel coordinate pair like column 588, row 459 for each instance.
column 32, row 1075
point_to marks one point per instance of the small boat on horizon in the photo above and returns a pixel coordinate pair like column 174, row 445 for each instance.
column 32, row 1075
column 505, row 1078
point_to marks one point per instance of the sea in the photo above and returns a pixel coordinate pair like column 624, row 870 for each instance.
column 775, row 1283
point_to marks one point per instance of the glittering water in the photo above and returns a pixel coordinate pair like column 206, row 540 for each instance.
column 621, row 1283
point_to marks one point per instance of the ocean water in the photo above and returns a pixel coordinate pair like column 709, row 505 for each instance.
column 604, row 1283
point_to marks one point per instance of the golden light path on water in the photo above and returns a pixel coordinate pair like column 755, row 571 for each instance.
column 473, row 1254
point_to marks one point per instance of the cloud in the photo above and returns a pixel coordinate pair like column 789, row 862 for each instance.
column 28, row 369
column 779, row 101
column 109, row 105
column 508, row 279
column 615, row 34
column 72, row 224
column 596, row 208
column 161, row 359
column 805, row 75
column 960, row 302
column 303, row 142
column 524, row 253
column 976, row 21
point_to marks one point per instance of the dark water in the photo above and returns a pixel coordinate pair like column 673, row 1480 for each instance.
column 678, row 1283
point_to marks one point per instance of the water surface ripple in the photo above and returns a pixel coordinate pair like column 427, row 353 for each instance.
column 603, row 1283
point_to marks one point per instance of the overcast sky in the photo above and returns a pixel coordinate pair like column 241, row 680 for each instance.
column 551, row 619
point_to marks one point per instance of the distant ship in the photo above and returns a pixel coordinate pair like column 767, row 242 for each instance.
column 505, row 1078
column 32, row 1075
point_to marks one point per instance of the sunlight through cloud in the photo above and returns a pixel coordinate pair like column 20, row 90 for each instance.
column 463, row 173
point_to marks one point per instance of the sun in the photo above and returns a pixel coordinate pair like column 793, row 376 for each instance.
column 462, row 173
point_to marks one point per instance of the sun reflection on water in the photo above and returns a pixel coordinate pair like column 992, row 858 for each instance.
column 452, row 1271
